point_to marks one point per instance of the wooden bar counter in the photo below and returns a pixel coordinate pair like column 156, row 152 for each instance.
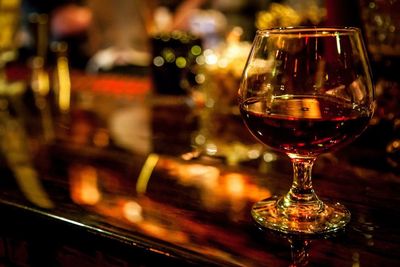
column 117, row 184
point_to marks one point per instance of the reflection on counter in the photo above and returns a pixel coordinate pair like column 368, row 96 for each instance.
column 113, row 195
column 218, row 189
column 122, row 185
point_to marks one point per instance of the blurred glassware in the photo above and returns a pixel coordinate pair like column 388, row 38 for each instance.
column 291, row 13
column 223, row 70
column 221, row 131
column 39, row 26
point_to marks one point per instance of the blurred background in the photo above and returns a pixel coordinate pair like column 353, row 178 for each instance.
column 173, row 51
column 103, row 34
column 127, row 36
column 98, row 96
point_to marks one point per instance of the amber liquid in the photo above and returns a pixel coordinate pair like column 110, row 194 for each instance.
column 304, row 125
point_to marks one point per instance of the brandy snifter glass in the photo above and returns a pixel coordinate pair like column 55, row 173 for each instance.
column 305, row 91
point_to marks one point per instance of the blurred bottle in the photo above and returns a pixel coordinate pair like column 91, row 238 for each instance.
column 9, row 23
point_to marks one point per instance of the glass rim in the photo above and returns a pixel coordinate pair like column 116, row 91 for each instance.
column 308, row 31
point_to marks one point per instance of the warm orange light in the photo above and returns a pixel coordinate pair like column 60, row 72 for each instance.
column 218, row 188
column 83, row 182
column 235, row 184
column 101, row 138
column 132, row 211
column 158, row 230
column 64, row 84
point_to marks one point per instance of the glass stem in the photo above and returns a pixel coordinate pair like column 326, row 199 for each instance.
column 300, row 252
column 301, row 194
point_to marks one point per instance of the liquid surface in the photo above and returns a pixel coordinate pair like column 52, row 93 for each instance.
column 305, row 126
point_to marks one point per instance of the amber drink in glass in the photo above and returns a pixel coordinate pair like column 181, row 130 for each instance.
column 304, row 92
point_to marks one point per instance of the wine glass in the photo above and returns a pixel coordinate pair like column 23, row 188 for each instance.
column 305, row 91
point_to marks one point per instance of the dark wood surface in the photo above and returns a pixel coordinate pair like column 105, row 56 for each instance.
column 118, row 186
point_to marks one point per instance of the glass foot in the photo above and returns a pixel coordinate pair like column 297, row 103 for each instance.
column 330, row 217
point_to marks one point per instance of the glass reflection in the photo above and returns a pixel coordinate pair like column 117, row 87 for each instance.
column 305, row 249
column 300, row 252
